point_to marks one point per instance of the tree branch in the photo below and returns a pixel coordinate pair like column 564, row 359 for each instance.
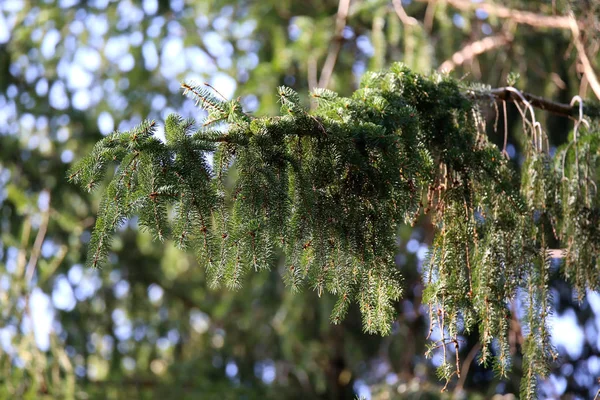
column 473, row 49
column 37, row 246
column 566, row 110
column 406, row 20
column 465, row 367
column 429, row 16
column 338, row 37
column 518, row 16
column 588, row 70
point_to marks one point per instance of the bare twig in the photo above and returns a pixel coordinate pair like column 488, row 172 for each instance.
column 504, row 152
column 37, row 246
column 518, row 16
column 336, row 45
column 466, row 365
column 429, row 16
column 216, row 91
column 575, row 129
column 534, row 123
column 406, row 20
column 588, row 70
column 53, row 266
column 22, row 255
column 566, row 110
column 583, row 86
column 312, row 73
column 312, row 79
column 474, row 49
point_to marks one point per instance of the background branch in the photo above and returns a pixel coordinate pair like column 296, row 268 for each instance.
column 521, row 17
column 336, row 45
column 464, row 371
column 37, row 246
column 406, row 20
column 588, row 70
column 472, row 50
column 566, row 110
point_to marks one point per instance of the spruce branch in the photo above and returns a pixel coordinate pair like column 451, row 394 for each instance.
column 204, row 98
column 326, row 192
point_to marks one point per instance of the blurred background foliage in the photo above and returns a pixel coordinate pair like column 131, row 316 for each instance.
column 147, row 325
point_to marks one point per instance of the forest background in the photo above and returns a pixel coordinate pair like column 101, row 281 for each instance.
column 146, row 325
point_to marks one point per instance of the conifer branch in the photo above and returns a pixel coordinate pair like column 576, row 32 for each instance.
column 203, row 98
column 328, row 191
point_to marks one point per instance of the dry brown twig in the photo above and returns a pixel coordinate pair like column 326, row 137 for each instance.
column 518, row 16
column 588, row 70
column 473, row 49
column 465, row 367
column 565, row 110
column 37, row 246
column 429, row 16
column 336, row 45
column 312, row 73
column 406, row 20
